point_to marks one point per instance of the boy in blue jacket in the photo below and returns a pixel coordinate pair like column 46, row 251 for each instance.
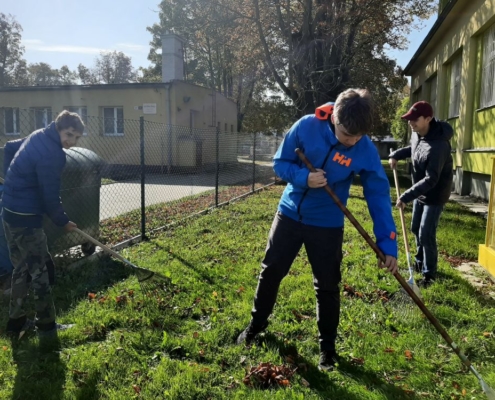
column 32, row 189
column 334, row 139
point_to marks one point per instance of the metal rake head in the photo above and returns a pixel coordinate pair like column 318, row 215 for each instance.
column 152, row 282
column 403, row 305
column 490, row 393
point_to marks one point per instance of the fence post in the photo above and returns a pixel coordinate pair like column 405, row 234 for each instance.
column 254, row 161
column 143, row 199
column 217, row 159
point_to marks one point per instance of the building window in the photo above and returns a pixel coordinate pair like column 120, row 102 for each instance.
column 231, row 128
column 12, row 122
column 83, row 113
column 226, row 128
column 42, row 117
column 415, row 95
column 488, row 72
column 113, row 121
column 455, row 88
column 433, row 94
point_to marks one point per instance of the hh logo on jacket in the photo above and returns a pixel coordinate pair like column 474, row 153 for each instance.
column 342, row 160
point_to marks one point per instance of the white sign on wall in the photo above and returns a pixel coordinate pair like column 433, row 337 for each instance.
column 149, row 108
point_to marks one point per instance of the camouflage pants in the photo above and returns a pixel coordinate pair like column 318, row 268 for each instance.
column 28, row 253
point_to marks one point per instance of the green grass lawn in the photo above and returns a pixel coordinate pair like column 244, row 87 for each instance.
column 181, row 345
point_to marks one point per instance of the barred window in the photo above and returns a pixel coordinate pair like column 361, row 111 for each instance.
column 113, row 121
column 83, row 113
column 42, row 117
column 488, row 69
column 12, row 123
column 455, row 87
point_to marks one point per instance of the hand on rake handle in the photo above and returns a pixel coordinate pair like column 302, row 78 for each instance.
column 390, row 264
column 487, row 389
column 317, row 179
column 344, row 209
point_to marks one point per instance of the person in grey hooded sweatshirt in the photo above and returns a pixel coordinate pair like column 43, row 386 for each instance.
column 432, row 175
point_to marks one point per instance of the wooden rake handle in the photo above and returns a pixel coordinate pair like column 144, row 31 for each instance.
column 401, row 210
column 105, row 248
column 397, row 276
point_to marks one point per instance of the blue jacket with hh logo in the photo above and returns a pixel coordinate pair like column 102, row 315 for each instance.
column 32, row 180
column 317, row 140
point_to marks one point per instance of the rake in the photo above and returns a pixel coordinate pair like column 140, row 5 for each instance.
column 490, row 393
column 149, row 281
column 402, row 298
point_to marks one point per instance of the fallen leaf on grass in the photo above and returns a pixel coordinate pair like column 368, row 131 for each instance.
column 357, row 361
column 268, row 375
column 289, row 359
column 91, row 296
column 389, row 350
column 408, row 354
column 136, row 388
column 195, row 335
column 299, row 316
column 304, row 382
column 240, row 290
column 487, row 334
column 5, row 348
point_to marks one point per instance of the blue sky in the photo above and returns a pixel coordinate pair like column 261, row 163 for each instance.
column 70, row 32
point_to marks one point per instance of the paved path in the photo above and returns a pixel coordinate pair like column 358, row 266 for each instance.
column 122, row 197
column 474, row 205
column 473, row 272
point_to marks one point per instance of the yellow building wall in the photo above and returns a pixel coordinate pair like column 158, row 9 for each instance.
column 125, row 149
column 113, row 149
column 460, row 34
column 209, row 106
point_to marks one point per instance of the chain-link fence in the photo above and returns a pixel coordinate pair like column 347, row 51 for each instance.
column 127, row 178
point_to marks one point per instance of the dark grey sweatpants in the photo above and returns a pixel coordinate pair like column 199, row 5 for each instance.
column 324, row 249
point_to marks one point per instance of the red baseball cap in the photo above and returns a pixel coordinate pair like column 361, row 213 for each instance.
column 419, row 109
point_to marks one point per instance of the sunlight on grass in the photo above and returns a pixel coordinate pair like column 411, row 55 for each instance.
column 181, row 345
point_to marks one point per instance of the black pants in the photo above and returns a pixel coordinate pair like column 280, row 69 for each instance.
column 324, row 249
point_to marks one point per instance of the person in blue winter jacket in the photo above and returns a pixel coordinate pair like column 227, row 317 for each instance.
column 333, row 139
column 31, row 190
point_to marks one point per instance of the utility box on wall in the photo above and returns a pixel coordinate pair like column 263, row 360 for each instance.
column 486, row 256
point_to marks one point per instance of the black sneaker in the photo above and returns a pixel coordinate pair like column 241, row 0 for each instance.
column 328, row 360
column 52, row 333
column 248, row 334
column 425, row 282
column 16, row 326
